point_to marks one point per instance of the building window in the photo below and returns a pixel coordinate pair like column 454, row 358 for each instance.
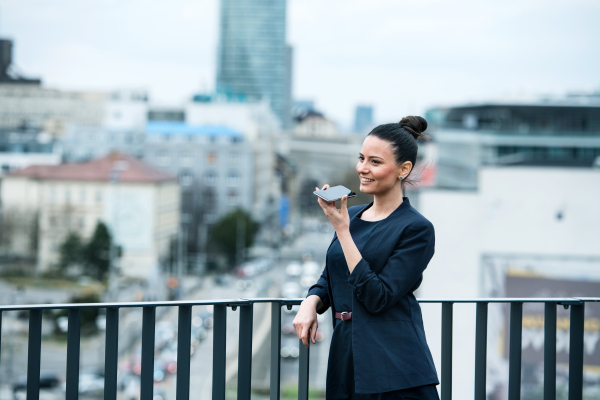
column 68, row 195
column 213, row 139
column 98, row 196
column 82, row 196
column 233, row 198
column 186, row 178
column 234, row 158
column 81, row 223
column 210, row 177
column 163, row 158
column 52, row 221
column 209, row 198
column 236, row 139
column 211, row 158
column 186, row 160
column 209, row 218
column 233, row 178
column 52, row 195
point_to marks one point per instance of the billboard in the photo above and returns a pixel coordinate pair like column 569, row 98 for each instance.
column 523, row 276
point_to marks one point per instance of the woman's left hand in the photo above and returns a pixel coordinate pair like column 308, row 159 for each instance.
column 338, row 217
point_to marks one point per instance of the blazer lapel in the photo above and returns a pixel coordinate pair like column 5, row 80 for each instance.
column 382, row 229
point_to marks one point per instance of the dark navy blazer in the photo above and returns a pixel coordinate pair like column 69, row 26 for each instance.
column 388, row 339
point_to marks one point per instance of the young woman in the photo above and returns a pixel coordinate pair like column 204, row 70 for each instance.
column 374, row 264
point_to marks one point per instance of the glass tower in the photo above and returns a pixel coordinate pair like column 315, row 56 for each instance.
column 254, row 62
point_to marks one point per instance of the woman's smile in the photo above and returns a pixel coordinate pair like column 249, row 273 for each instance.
column 365, row 181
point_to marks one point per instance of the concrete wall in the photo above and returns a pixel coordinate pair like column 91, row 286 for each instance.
column 519, row 211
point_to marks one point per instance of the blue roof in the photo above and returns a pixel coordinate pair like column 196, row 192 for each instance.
column 181, row 128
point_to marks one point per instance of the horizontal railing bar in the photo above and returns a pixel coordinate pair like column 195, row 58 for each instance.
column 232, row 302
column 567, row 300
column 284, row 302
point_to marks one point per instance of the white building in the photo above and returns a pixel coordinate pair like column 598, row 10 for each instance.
column 22, row 148
column 213, row 160
column 261, row 129
column 521, row 223
column 140, row 206
column 52, row 110
column 313, row 125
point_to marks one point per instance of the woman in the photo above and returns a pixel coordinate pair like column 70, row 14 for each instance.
column 374, row 264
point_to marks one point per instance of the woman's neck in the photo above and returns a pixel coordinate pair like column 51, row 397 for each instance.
column 385, row 203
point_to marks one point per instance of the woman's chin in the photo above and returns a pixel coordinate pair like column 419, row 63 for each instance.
column 365, row 189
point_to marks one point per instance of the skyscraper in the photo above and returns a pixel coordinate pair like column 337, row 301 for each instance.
column 363, row 118
column 254, row 61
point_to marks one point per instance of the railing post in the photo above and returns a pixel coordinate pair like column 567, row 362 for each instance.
column 550, row 351
column 447, row 350
column 219, row 352
column 148, row 336
column 303, row 370
column 111, row 353
column 184, row 333
column 275, row 350
column 0, row 334
column 576, row 351
column 245, row 353
column 481, row 351
column 34, row 350
column 73, row 350
column 514, row 362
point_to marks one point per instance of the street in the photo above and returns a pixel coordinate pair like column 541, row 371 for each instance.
column 270, row 283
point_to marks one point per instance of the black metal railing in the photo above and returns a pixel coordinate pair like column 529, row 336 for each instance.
column 576, row 346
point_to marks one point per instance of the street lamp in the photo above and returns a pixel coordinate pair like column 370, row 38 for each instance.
column 114, row 175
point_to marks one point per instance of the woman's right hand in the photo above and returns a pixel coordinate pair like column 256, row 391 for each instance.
column 305, row 321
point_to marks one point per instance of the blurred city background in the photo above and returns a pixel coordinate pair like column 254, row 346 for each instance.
column 169, row 150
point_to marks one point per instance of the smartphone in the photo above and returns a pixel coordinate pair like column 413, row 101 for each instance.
column 334, row 193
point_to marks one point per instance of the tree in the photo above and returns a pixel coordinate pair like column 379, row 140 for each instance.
column 225, row 233
column 71, row 252
column 96, row 253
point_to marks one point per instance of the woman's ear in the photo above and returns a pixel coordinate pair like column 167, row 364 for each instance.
column 405, row 169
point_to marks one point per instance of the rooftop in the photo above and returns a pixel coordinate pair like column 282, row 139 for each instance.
column 130, row 170
column 182, row 128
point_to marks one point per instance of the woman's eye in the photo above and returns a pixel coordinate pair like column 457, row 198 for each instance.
column 376, row 162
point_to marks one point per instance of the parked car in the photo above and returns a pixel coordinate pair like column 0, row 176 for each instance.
column 48, row 380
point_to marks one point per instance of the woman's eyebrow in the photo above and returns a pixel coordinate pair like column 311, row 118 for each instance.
column 371, row 156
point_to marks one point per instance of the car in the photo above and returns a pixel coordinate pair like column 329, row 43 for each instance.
column 91, row 383
column 293, row 269
column 310, row 268
column 48, row 380
column 223, row 280
column 244, row 284
column 290, row 290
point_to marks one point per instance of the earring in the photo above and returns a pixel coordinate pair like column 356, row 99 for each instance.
column 400, row 177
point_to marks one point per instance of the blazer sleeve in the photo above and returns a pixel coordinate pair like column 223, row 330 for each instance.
column 404, row 267
column 321, row 289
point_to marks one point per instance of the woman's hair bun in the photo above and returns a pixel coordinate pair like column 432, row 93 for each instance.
column 415, row 125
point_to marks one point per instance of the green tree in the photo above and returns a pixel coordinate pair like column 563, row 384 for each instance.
column 96, row 252
column 70, row 252
column 225, row 233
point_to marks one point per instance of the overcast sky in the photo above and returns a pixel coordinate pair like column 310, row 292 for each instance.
column 399, row 56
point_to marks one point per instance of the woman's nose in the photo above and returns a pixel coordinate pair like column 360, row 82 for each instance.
column 361, row 168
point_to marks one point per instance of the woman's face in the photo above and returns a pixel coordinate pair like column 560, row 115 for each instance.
column 377, row 167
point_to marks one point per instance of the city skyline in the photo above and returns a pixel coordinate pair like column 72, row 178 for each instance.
column 400, row 57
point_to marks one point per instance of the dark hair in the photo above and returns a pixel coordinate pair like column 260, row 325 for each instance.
column 403, row 137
